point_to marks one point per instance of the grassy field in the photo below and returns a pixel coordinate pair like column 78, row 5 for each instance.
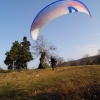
column 65, row 83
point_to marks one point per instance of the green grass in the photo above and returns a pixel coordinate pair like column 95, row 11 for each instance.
column 65, row 83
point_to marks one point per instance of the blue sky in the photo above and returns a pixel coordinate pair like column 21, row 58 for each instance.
column 74, row 35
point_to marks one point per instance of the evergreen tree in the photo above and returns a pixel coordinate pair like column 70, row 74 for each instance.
column 19, row 55
column 26, row 54
column 13, row 54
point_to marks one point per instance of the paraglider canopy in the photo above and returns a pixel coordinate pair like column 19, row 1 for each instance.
column 54, row 10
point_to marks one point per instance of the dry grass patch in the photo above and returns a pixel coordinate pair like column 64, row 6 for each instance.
column 66, row 83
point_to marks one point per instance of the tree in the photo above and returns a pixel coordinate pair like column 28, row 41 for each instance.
column 97, row 60
column 98, row 52
column 86, row 59
column 26, row 55
column 71, row 62
column 19, row 55
column 86, row 56
column 41, row 47
column 60, row 60
column 12, row 55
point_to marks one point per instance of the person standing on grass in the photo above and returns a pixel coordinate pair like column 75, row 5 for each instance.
column 53, row 63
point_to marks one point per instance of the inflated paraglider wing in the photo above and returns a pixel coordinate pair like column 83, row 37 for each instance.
column 54, row 10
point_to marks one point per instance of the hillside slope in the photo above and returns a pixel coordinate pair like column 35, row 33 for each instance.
column 65, row 83
column 92, row 60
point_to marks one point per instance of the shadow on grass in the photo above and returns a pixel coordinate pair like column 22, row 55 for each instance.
column 90, row 92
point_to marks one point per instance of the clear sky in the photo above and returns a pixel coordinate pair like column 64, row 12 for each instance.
column 74, row 35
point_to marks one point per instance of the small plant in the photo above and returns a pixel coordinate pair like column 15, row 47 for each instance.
column 1, row 69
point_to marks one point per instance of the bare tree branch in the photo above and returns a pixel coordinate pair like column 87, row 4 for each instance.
column 42, row 45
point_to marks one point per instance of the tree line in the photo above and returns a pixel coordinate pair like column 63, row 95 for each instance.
column 92, row 60
column 19, row 54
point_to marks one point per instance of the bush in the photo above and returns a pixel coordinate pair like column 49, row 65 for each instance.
column 4, row 71
column 1, row 70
